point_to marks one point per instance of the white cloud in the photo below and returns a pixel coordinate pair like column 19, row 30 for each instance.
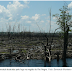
column 16, row 9
column 0, row 11
column 10, row 18
column 28, row 21
column 42, row 21
column 70, row 5
column 67, row 11
column 26, row 2
column 54, row 18
column 43, row 14
column 36, row 17
column 9, row 2
column 13, row 10
column 17, row 14
column 25, row 17
column 5, row 13
column 16, row 6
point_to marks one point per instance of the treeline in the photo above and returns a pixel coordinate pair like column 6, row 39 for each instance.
column 30, row 34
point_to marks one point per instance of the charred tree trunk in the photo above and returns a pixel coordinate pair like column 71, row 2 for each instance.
column 45, row 50
column 65, row 47
column 47, row 41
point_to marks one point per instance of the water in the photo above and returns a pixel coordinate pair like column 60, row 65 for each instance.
column 15, row 51
column 34, row 63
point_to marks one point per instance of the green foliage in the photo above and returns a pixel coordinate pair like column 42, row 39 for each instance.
column 24, row 51
column 5, row 52
column 70, row 30
column 61, row 34
column 63, row 18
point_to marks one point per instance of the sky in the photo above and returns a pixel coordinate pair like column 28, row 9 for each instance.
column 30, row 16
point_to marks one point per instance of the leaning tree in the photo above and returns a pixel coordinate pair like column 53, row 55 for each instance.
column 64, row 22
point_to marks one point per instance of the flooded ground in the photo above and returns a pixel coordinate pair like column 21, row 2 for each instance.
column 34, row 63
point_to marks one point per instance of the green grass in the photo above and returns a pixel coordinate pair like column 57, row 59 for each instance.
column 5, row 52
column 24, row 51
column 22, row 45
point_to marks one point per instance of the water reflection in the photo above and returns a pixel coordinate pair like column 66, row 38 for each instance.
column 35, row 63
column 49, row 64
column 44, row 63
column 10, row 62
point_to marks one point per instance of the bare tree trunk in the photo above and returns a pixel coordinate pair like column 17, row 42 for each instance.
column 47, row 41
column 64, row 51
column 65, row 47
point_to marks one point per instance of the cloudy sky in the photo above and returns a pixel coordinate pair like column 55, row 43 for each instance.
column 29, row 15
